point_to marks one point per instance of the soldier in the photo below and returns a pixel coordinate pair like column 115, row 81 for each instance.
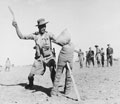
column 102, row 57
column 98, row 55
column 43, row 56
column 7, row 65
column 87, row 59
column 81, row 57
column 109, row 54
column 91, row 56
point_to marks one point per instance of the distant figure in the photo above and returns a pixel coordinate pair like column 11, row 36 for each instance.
column 109, row 54
column 7, row 65
column 91, row 56
column 81, row 57
column 98, row 55
column 87, row 59
column 102, row 57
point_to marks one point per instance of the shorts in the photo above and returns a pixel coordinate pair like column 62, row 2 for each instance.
column 39, row 67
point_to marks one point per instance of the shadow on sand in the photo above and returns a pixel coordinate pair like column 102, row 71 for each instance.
column 35, row 88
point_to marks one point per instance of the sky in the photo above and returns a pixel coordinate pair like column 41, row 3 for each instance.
column 89, row 22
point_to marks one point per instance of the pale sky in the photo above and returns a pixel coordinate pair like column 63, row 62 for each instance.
column 90, row 22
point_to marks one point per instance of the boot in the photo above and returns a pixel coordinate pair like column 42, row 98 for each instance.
column 30, row 85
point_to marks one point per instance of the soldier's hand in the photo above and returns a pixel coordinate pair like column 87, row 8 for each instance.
column 14, row 23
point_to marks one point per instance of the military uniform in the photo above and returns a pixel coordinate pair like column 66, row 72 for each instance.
column 81, row 58
column 109, row 53
column 43, row 51
column 98, row 57
column 102, row 57
column 43, row 56
column 91, row 57
column 87, row 59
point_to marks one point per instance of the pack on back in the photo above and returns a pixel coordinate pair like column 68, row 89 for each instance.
column 64, row 37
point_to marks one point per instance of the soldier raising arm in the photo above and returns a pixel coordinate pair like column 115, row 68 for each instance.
column 42, row 40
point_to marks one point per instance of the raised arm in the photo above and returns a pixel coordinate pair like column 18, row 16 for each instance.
column 20, row 35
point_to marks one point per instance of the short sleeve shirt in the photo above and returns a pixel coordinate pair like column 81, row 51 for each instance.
column 44, row 41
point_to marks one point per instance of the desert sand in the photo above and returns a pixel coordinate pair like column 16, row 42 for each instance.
column 95, row 86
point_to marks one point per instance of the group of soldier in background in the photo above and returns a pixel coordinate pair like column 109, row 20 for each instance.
column 99, row 55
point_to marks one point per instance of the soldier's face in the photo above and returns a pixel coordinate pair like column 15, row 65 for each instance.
column 42, row 29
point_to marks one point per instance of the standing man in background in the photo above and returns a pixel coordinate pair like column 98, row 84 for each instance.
column 7, row 65
column 102, row 56
column 81, row 57
column 87, row 60
column 109, row 54
column 91, row 56
column 98, row 55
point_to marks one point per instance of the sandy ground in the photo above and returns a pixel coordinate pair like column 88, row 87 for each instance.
column 95, row 86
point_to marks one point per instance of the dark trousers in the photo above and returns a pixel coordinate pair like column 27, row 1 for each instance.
column 109, row 60
column 91, row 60
column 102, row 60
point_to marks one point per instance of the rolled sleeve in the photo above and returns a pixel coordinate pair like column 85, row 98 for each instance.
column 29, row 37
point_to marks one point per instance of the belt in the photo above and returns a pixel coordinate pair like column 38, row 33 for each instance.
column 47, row 55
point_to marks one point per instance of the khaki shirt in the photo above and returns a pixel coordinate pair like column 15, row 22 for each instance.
column 43, row 42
